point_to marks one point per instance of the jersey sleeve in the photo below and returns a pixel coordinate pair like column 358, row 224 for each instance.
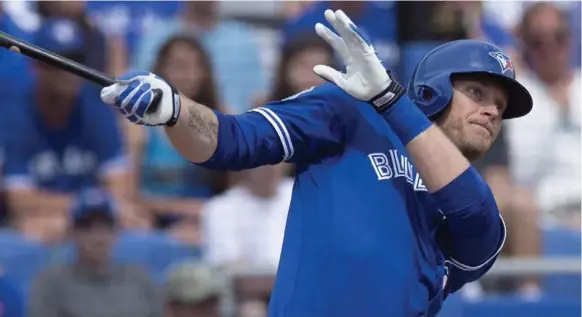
column 305, row 127
column 461, row 273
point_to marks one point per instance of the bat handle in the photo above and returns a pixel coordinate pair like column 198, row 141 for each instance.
column 156, row 98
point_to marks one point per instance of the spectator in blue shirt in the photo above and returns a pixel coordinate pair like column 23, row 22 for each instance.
column 60, row 138
column 22, row 25
column 131, row 19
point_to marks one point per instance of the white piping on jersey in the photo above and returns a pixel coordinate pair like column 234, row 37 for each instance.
column 465, row 267
column 281, row 130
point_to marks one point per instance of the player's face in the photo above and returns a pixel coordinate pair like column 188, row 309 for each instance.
column 300, row 69
column 473, row 119
column 182, row 68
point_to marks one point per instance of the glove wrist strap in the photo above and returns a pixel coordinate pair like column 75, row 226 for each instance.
column 177, row 104
column 387, row 97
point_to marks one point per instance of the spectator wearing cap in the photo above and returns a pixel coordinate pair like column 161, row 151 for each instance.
column 60, row 138
column 194, row 290
column 92, row 286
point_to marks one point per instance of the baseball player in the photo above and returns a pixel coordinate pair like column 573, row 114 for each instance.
column 387, row 215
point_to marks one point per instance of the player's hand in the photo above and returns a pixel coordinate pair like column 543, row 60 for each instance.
column 365, row 78
column 144, row 99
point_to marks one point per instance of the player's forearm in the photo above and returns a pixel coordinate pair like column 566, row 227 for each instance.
column 437, row 160
column 195, row 135
column 224, row 142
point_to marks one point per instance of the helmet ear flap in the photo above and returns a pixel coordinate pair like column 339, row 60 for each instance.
column 432, row 100
column 424, row 96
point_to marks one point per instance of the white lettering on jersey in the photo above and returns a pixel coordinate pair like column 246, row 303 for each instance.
column 396, row 165
column 46, row 165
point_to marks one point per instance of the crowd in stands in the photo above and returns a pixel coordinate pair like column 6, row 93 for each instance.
column 82, row 188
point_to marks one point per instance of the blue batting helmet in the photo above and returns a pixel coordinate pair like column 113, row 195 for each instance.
column 431, row 87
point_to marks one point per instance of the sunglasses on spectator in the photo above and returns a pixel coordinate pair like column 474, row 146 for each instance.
column 539, row 40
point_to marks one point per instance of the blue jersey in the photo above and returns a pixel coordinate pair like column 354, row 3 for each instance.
column 67, row 159
column 363, row 236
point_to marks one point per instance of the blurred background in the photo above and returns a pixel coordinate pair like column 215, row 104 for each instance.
column 100, row 218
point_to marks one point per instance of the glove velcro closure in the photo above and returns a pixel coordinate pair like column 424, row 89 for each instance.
column 387, row 97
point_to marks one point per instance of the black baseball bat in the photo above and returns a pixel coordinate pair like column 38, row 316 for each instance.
column 55, row 60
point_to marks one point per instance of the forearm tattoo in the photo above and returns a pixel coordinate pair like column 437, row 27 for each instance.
column 201, row 123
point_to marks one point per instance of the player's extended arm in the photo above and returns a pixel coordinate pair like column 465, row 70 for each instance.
column 296, row 129
column 195, row 134
column 464, row 198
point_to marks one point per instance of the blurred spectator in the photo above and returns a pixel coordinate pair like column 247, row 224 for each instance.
column 92, row 286
column 131, row 20
column 376, row 18
column 247, row 222
column 19, row 22
column 481, row 25
column 510, row 14
column 545, row 145
column 295, row 70
column 231, row 45
column 170, row 186
column 94, row 45
column 60, row 139
column 194, row 290
column 252, row 308
column 519, row 211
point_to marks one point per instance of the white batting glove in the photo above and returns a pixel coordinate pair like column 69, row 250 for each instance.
column 365, row 78
column 144, row 99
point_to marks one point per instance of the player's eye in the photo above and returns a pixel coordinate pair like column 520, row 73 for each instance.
column 477, row 92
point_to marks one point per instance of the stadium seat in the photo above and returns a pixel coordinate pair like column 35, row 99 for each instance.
column 558, row 241
column 20, row 261
column 514, row 307
column 155, row 252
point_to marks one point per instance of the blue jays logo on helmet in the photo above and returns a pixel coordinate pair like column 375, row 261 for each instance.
column 431, row 85
column 504, row 61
